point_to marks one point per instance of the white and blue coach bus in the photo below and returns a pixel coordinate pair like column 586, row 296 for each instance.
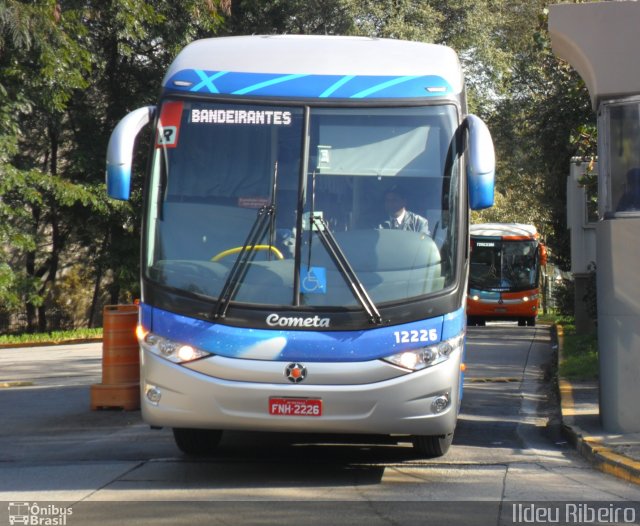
column 274, row 297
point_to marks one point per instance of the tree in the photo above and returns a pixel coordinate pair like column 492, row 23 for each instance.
column 14, row 35
column 249, row 17
column 546, row 120
column 132, row 42
column 41, row 67
column 68, row 75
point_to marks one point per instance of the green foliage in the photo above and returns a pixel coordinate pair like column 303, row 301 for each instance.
column 512, row 205
column 579, row 359
column 585, row 140
column 403, row 19
column 535, row 131
column 9, row 298
column 51, row 337
column 68, row 73
column 483, row 33
column 22, row 192
column 290, row 16
column 563, row 297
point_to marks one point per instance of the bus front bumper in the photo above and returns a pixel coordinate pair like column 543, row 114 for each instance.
column 402, row 404
column 522, row 304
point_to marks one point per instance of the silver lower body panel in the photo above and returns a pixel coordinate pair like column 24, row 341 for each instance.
column 401, row 404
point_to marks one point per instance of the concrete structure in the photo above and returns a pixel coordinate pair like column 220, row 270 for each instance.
column 599, row 39
column 581, row 221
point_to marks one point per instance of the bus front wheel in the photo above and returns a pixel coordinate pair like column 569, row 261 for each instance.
column 432, row 446
column 197, row 442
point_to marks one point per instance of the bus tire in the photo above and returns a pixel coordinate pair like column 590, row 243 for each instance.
column 432, row 446
column 531, row 322
column 197, row 442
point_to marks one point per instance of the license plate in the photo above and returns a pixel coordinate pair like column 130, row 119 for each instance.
column 501, row 310
column 295, row 407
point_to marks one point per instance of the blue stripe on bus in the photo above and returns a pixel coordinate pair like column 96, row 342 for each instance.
column 308, row 86
column 453, row 324
column 338, row 84
column 207, row 81
column 376, row 88
column 267, row 84
column 299, row 345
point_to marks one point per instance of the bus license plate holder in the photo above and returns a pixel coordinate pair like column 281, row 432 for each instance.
column 295, row 407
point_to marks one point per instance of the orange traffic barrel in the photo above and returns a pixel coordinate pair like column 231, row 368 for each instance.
column 120, row 387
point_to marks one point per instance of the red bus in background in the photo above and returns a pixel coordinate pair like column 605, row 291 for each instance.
column 504, row 276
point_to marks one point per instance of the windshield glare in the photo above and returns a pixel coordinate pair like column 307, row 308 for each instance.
column 381, row 179
column 503, row 265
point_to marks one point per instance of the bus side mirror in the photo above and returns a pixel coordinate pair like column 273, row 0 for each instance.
column 120, row 151
column 543, row 254
column 481, row 164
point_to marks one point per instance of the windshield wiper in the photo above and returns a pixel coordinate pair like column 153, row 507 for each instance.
column 265, row 218
column 343, row 265
column 241, row 264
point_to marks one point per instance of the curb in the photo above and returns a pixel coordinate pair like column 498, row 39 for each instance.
column 591, row 448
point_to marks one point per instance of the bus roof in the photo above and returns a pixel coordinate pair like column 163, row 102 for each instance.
column 504, row 230
column 316, row 66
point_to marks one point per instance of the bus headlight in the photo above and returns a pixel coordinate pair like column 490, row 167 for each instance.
column 424, row 357
column 171, row 350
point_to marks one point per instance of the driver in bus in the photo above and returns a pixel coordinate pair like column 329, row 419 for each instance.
column 398, row 217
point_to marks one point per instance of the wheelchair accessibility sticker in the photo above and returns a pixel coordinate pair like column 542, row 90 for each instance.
column 313, row 280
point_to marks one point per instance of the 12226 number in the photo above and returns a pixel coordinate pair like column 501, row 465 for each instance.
column 416, row 336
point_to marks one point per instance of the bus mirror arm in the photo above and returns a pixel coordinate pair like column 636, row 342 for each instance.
column 481, row 164
column 120, row 151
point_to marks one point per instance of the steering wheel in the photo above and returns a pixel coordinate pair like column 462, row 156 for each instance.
column 235, row 250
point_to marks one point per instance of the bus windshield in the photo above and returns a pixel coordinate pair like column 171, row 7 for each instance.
column 499, row 265
column 270, row 181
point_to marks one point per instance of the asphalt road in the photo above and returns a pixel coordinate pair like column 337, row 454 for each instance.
column 108, row 467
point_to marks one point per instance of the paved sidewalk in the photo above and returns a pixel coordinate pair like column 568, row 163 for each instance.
column 616, row 454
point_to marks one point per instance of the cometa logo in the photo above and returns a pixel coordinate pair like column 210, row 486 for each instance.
column 275, row 320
